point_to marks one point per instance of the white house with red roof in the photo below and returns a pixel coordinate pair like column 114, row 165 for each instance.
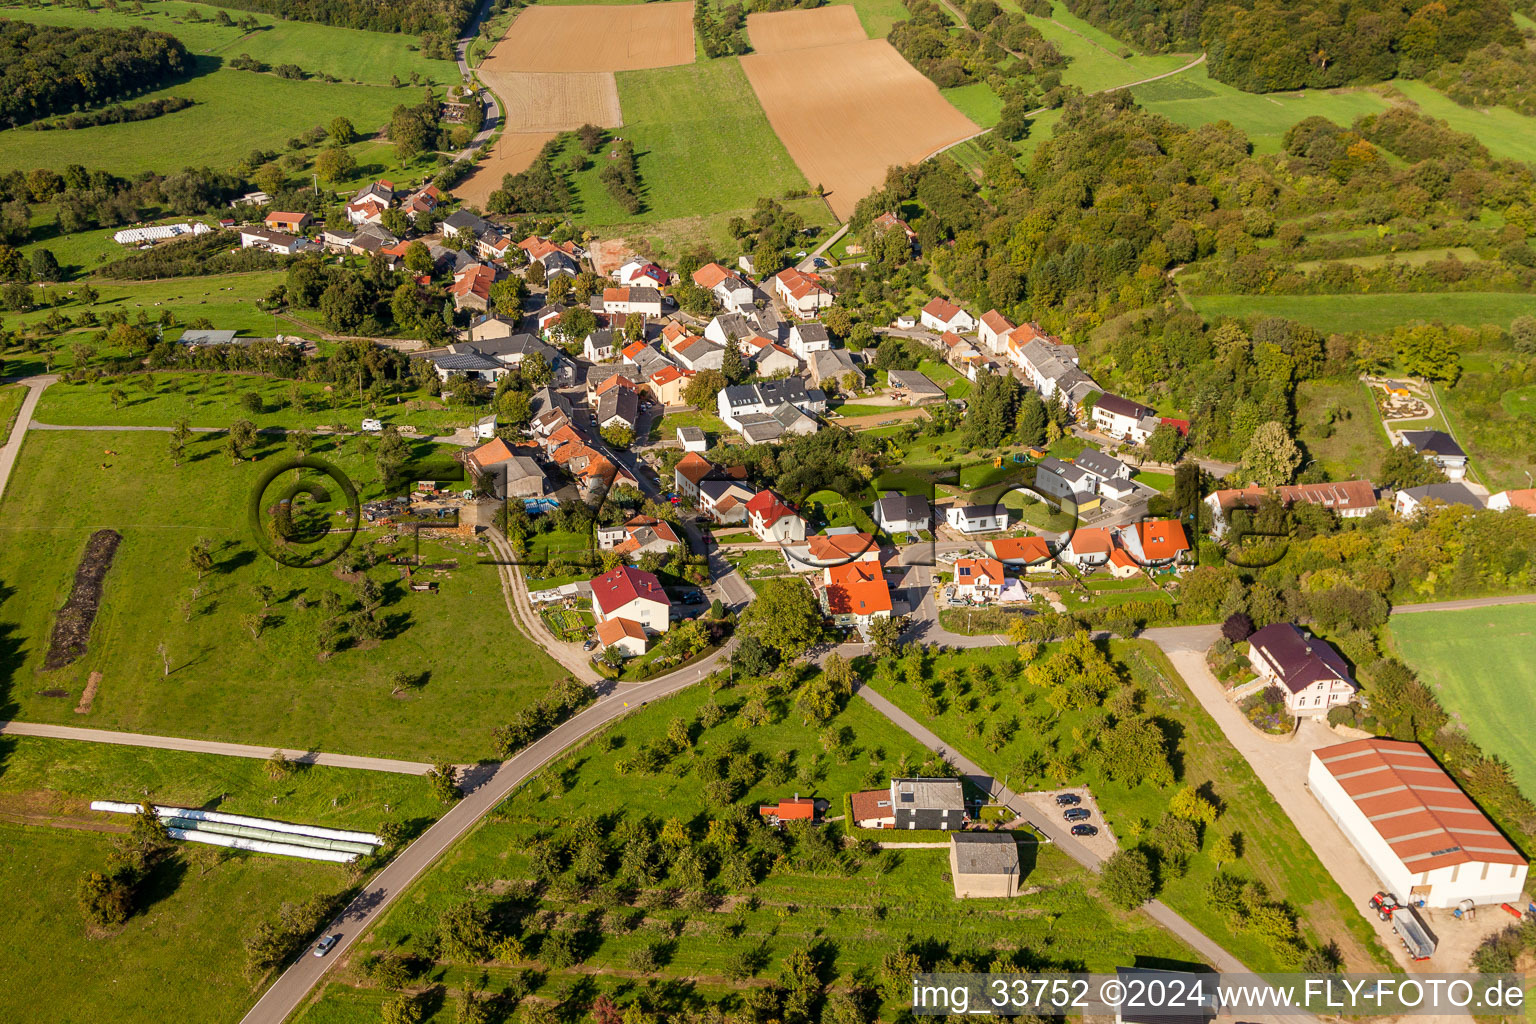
column 638, row 536
column 1424, row 838
column 978, row 579
column 624, row 301
column 993, row 329
column 642, row 273
column 855, row 593
column 732, row 290
column 773, row 520
column 942, row 315
column 1154, row 542
column 628, row 593
column 803, row 293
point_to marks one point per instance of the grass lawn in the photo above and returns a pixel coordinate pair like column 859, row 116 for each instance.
column 185, row 950
column 853, row 410
column 1496, row 433
column 1380, row 312
column 857, row 916
column 62, row 777
column 976, row 101
column 1096, row 63
column 1478, row 660
column 223, row 684
column 228, row 300
column 1272, row 849
column 691, row 127
column 1340, row 428
column 1508, row 135
column 234, row 112
column 1195, row 98
column 82, row 251
column 1412, row 258
column 1157, row 481
column 11, row 398
column 877, row 16
column 666, row 429
column 218, row 399
column 353, row 55
column 560, row 544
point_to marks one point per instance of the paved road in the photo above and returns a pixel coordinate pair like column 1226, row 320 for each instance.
column 34, row 386
column 133, row 739
column 493, row 107
column 1471, row 602
column 1158, row 911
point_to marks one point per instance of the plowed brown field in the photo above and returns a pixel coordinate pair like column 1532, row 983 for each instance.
column 596, row 38
column 846, row 111
column 550, row 102
column 514, row 152
column 778, row 31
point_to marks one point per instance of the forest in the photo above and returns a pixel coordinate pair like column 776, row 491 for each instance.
column 40, row 67
column 1272, row 45
column 409, row 16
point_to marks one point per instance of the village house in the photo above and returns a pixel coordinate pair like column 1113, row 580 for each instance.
column 736, row 402
column 888, row 221
column 804, row 294
column 855, row 594
column 1031, row 553
column 903, row 513
column 834, row 546
column 770, row 360
column 618, row 407
column 872, row 808
column 731, row 328
column 667, row 384
column 724, row 499
column 424, row 200
column 1103, row 467
column 772, row 520
column 1411, row 500
column 625, row 635
column 928, row 804
column 368, row 209
column 1410, row 821
column 493, row 246
column 624, row 301
column 289, row 223
column 993, row 329
column 471, row 363
column 271, row 241
column 693, row 439
column 1087, row 548
column 1154, row 542
column 471, row 288
column 1064, row 482
column 1050, row 367
column 978, row 579
column 690, row 471
column 984, row 865
column 464, row 224
column 638, row 536
column 599, row 346
column 942, row 315
column 1351, row 499
column 1523, row 500
column 628, row 593
column 1307, row 669
column 969, row 519
column 798, row 809
column 1439, row 448
column 511, row 472
column 695, row 354
column 807, row 338
column 1121, row 418
column 832, row 365
column 728, row 288
column 643, row 273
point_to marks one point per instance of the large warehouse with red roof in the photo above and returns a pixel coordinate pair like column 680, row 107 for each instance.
column 1422, row 835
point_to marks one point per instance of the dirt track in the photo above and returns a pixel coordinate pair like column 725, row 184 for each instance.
column 846, row 111
column 596, row 38
column 781, row 31
column 547, row 102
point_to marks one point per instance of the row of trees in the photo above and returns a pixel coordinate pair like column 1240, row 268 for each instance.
column 39, row 67
column 410, row 16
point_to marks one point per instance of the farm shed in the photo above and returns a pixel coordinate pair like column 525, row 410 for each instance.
column 1418, row 831
column 984, row 864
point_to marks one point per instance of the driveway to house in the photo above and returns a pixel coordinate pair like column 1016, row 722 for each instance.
column 133, row 739
column 34, row 386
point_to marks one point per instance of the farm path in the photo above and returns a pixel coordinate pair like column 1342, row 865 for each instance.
column 35, row 386
column 1470, row 602
column 133, row 739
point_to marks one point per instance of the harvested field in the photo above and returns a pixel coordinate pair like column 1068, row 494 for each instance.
column 781, row 31
column 552, row 102
column 514, row 152
column 72, row 625
column 846, row 111
column 598, row 38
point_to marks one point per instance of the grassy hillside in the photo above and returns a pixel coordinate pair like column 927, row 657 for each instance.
column 1370, row 312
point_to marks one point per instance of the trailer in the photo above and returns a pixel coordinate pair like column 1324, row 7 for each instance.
column 1416, row 938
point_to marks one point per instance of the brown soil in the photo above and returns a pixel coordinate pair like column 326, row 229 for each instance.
column 869, row 109
column 781, row 31
column 553, row 102
column 596, row 38
column 72, row 625
column 91, row 686
column 513, row 153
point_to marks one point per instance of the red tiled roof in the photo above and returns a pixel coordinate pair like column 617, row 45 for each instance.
column 1121, row 559
column 1092, row 540
column 615, row 294
column 857, row 588
column 666, row 375
column 1523, row 499
column 769, row 507
column 796, row 809
column 842, row 545
column 996, row 322
column 1019, row 549
column 611, row 631
column 1345, row 494
column 871, row 804
column 709, row 275
column 1161, row 539
column 694, row 467
column 633, row 349
column 491, row 453
column 942, row 308
column 799, row 285
column 615, row 589
column 978, row 570
column 1414, row 805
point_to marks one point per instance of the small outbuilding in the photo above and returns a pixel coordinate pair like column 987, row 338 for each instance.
column 984, row 864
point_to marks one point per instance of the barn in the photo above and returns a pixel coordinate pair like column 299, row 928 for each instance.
column 1424, row 838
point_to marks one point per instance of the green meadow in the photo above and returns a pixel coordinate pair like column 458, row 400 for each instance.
column 1379, row 312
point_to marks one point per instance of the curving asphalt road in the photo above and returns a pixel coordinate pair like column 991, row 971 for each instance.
column 12, row 449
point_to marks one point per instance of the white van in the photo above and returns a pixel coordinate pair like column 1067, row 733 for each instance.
column 373, row 426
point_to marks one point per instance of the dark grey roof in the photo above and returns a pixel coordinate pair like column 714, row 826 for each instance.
column 466, row 361
column 1099, row 464
column 515, row 345
column 547, row 398
column 757, row 429
column 1450, row 494
column 985, row 853
column 1301, row 660
column 691, row 433
column 597, row 374
column 644, row 295
column 601, row 338
column 198, row 336
column 1433, row 442
column 917, row 383
column 790, row 389
column 736, row 325
column 464, row 219
column 619, row 402
column 902, row 508
column 812, row 332
column 1122, row 406
column 981, row 511
column 738, row 395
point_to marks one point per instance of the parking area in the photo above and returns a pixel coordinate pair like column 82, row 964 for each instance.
column 1044, row 803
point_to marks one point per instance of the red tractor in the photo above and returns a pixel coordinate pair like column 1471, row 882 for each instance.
column 1384, row 903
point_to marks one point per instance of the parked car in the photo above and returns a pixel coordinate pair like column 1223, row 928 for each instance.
column 327, row 944
column 1068, row 799
column 589, row 645
column 1078, row 814
column 1084, row 830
